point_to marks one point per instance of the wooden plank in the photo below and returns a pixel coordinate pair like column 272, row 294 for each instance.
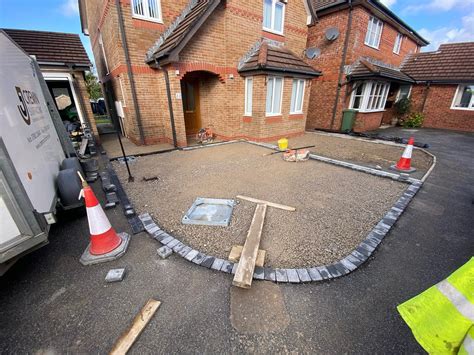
column 271, row 204
column 236, row 251
column 125, row 342
column 244, row 273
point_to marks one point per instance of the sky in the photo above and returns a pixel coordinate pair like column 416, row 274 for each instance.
column 439, row 21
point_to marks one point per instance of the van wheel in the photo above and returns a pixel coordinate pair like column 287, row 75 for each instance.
column 69, row 186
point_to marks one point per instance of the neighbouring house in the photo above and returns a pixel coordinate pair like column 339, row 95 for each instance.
column 359, row 46
column 444, row 89
column 169, row 68
column 63, row 62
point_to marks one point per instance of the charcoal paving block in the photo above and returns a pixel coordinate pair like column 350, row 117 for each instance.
column 183, row 252
column 357, row 262
column 199, row 258
column 164, row 252
column 227, row 266
column 269, row 274
column 191, row 255
column 293, row 276
column 281, row 275
column 234, row 268
column 314, row 274
column 259, row 273
column 363, row 251
column 348, row 264
column 323, row 272
column 303, row 275
column 342, row 269
column 172, row 243
column 207, row 262
column 115, row 275
column 136, row 224
column 217, row 264
column 333, row 271
column 359, row 256
column 167, row 239
column 178, row 247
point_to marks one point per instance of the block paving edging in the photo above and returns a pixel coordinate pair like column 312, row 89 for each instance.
column 351, row 262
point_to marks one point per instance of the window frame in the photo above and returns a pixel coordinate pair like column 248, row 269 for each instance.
column 272, row 18
column 146, row 16
column 247, row 96
column 369, row 29
column 397, row 98
column 298, row 81
column 368, row 96
column 398, row 41
column 270, row 114
column 471, row 102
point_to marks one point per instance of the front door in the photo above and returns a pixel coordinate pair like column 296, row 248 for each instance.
column 192, row 114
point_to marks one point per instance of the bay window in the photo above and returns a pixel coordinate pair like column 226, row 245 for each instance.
column 297, row 94
column 369, row 96
column 248, row 96
column 147, row 10
column 273, row 15
column 464, row 98
column 374, row 32
column 274, row 93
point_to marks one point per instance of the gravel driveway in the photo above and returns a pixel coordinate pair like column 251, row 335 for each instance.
column 336, row 207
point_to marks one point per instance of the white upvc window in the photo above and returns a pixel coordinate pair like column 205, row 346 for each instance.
column 274, row 94
column 248, row 96
column 370, row 96
column 464, row 98
column 149, row 10
column 104, row 57
column 273, row 16
column 297, row 95
column 398, row 43
column 374, row 32
column 403, row 92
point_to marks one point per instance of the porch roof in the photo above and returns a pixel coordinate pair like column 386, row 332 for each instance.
column 52, row 48
column 177, row 35
column 273, row 58
column 364, row 69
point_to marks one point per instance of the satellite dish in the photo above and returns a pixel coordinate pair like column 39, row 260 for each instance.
column 313, row 52
column 332, row 33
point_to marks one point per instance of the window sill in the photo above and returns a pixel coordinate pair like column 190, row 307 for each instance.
column 366, row 111
column 148, row 19
column 277, row 36
column 273, row 119
column 376, row 48
column 296, row 116
column 462, row 109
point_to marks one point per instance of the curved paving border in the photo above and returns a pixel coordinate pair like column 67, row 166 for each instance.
column 318, row 273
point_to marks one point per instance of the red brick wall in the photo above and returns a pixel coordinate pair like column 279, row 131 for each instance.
column 438, row 112
column 367, row 121
column 324, row 88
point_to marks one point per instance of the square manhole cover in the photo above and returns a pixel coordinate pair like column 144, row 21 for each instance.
column 210, row 212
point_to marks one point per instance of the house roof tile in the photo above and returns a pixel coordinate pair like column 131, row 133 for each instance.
column 365, row 69
column 268, row 57
column 51, row 47
column 190, row 18
column 453, row 62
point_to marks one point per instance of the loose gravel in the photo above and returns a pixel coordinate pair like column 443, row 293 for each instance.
column 335, row 207
column 361, row 152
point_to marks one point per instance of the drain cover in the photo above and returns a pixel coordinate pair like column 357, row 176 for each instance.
column 209, row 212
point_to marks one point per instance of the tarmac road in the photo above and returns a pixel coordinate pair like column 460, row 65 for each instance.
column 50, row 302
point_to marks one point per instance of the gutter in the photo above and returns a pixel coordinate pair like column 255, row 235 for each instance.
column 129, row 69
column 341, row 67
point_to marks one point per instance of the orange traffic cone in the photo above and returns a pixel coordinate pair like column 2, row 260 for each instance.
column 103, row 236
column 404, row 164
column 105, row 243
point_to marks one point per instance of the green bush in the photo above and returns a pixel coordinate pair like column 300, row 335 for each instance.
column 414, row 120
column 403, row 106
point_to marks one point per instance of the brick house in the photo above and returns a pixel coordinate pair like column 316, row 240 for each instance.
column 171, row 67
column 63, row 62
column 444, row 89
column 359, row 46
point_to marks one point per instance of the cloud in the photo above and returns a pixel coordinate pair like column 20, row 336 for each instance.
column 463, row 33
column 70, row 8
column 388, row 3
column 437, row 6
